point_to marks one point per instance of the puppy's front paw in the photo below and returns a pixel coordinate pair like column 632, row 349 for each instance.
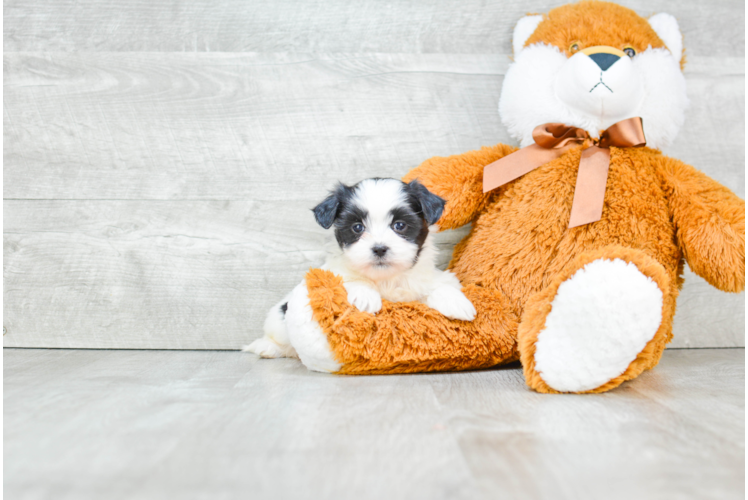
column 452, row 303
column 364, row 297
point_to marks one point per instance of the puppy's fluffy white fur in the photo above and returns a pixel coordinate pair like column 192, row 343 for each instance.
column 405, row 273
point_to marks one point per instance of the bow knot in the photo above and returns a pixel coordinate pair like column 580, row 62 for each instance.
column 553, row 140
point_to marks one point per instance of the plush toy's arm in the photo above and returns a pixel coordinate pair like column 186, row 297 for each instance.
column 710, row 224
column 459, row 180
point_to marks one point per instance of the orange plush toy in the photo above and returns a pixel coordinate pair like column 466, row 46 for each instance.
column 578, row 239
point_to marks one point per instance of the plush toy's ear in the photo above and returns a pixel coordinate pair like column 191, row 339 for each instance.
column 325, row 212
column 431, row 205
column 666, row 27
column 525, row 27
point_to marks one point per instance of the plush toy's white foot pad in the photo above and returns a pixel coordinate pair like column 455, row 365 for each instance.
column 601, row 319
column 306, row 336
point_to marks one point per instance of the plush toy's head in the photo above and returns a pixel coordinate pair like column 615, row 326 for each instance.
column 592, row 64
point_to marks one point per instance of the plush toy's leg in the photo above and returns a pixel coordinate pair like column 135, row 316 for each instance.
column 603, row 321
column 401, row 337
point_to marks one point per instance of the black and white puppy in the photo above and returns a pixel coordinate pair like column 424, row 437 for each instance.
column 384, row 250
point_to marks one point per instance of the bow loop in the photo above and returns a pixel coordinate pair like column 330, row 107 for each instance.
column 558, row 135
column 624, row 134
column 554, row 139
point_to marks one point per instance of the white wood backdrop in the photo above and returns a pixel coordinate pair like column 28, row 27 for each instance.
column 160, row 158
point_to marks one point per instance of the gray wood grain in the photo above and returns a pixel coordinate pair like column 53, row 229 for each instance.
column 202, row 274
column 267, row 126
column 227, row 126
column 166, row 275
column 713, row 29
column 154, row 424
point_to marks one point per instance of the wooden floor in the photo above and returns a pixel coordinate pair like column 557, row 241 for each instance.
column 91, row 424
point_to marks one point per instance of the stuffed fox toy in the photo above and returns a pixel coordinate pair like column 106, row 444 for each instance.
column 578, row 239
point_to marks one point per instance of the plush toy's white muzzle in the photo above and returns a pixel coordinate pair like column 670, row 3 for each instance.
column 600, row 83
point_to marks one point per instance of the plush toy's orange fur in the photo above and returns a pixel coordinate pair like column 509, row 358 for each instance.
column 657, row 212
column 411, row 337
column 590, row 23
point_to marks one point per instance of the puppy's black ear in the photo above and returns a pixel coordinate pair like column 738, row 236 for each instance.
column 325, row 212
column 431, row 204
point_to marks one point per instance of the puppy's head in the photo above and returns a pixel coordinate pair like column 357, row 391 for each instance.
column 381, row 225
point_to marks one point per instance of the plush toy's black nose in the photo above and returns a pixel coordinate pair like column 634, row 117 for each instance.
column 604, row 60
column 379, row 250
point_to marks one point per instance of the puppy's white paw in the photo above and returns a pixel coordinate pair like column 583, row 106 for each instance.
column 364, row 297
column 452, row 303
column 266, row 348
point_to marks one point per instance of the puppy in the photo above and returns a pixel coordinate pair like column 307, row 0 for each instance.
column 384, row 250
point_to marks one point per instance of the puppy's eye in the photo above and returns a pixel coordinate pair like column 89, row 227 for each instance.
column 629, row 51
column 574, row 47
column 399, row 226
column 357, row 228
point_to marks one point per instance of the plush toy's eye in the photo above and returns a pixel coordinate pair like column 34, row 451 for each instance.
column 574, row 47
column 357, row 228
column 399, row 226
column 629, row 51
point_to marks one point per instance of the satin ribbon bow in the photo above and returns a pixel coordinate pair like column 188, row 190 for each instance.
column 553, row 140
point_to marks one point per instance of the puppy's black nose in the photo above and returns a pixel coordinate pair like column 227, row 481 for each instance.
column 604, row 60
column 379, row 250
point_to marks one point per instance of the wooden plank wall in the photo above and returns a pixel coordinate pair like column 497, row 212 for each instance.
column 161, row 157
